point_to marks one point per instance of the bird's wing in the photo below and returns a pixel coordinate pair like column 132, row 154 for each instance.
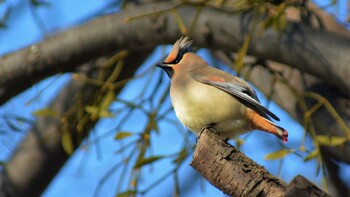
column 234, row 86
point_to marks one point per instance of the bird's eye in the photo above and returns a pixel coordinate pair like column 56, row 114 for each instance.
column 176, row 60
column 179, row 56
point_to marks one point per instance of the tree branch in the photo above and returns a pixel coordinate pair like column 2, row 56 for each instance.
column 236, row 175
column 315, row 51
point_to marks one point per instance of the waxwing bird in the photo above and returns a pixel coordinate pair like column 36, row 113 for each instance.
column 206, row 97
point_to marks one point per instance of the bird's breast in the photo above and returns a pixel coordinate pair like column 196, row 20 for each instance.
column 197, row 105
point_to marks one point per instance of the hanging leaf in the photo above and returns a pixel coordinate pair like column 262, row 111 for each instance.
column 108, row 99
column 277, row 154
column 96, row 111
column 181, row 156
column 242, row 53
column 239, row 143
column 121, row 135
column 46, row 112
column 266, row 23
column 67, row 141
column 180, row 22
column 311, row 155
column 331, row 140
column 324, row 182
column 144, row 161
column 91, row 110
column 127, row 193
column 280, row 21
column 105, row 113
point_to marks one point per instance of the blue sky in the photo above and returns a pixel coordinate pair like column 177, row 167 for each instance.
column 96, row 162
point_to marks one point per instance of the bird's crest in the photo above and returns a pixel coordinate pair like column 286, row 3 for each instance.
column 181, row 46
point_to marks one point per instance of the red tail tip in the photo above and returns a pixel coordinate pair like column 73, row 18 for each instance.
column 284, row 136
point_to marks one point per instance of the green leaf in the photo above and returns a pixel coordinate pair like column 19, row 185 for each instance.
column 311, row 155
column 105, row 113
column 180, row 23
column 91, row 109
column 331, row 140
column 266, row 23
column 181, row 156
column 239, row 143
column 281, row 23
column 242, row 53
column 67, row 141
column 280, row 19
column 2, row 163
column 127, row 193
column 121, row 135
column 101, row 113
column 46, row 112
column 277, row 154
column 144, row 161
column 108, row 99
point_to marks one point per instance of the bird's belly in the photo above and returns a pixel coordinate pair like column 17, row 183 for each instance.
column 207, row 105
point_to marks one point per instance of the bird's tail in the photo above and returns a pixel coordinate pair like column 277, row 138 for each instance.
column 281, row 133
column 263, row 124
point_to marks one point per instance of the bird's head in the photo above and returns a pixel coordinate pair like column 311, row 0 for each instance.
column 176, row 56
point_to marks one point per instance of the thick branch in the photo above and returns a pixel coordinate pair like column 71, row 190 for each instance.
column 40, row 155
column 322, row 54
column 236, row 175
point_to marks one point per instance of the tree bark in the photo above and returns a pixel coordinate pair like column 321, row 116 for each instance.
column 315, row 51
column 236, row 175
column 40, row 155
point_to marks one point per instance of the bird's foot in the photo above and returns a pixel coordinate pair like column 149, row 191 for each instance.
column 209, row 127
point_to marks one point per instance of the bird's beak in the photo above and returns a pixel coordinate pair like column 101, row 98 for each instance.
column 162, row 65
column 167, row 68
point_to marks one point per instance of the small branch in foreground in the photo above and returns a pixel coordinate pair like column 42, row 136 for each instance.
column 232, row 172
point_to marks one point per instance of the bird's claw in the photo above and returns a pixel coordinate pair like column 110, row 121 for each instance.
column 209, row 127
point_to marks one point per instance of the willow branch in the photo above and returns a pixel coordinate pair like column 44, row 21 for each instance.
column 320, row 53
column 40, row 155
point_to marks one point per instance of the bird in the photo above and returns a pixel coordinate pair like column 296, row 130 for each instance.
column 206, row 97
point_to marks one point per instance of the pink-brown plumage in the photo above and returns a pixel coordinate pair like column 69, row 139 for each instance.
column 203, row 96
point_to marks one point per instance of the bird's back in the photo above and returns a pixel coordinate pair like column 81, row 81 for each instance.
column 197, row 105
